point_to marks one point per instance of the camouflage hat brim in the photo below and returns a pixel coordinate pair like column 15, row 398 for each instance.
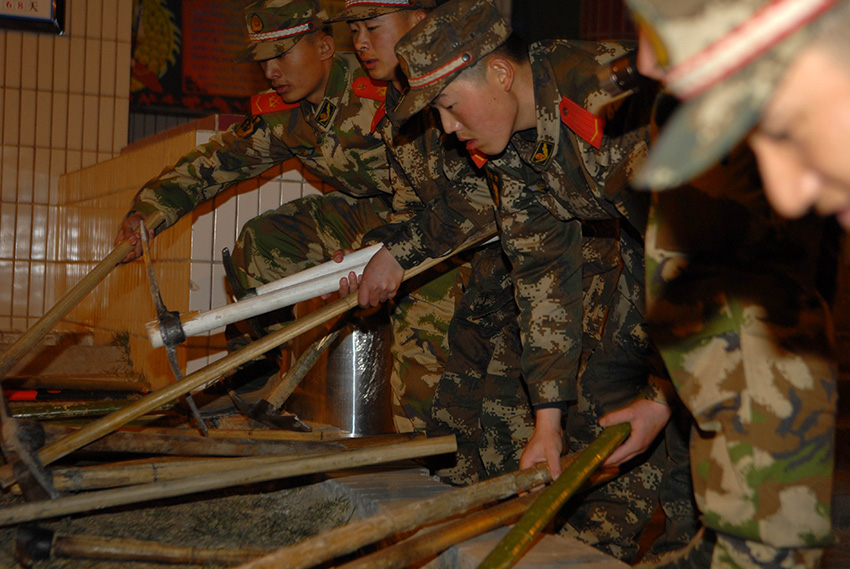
column 414, row 100
column 704, row 129
column 261, row 51
column 366, row 10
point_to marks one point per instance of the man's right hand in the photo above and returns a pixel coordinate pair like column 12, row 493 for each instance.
column 130, row 231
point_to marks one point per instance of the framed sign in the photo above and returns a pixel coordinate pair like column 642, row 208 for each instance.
column 33, row 15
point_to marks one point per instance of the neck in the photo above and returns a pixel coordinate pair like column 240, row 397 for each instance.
column 316, row 96
column 524, row 92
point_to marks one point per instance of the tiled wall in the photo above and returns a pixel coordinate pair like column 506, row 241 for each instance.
column 63, row 106
column 187, row 256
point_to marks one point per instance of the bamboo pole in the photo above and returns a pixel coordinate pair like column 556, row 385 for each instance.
column 404, row 517
column 189, row 445
column 78, row 479
column 69, row 300
column 508, row 551
column 431, row 542
column 36, row 544
column 214, row 481
column 206, row 376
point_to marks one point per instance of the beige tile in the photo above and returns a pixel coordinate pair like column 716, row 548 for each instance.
column 20, row 287
column 89, row 158
column 75, row 124
column 105, row 126
column 6, row 276
column 23, row 231
column 57, row 168
column 76, row 64
column 44, row 68
column 38, row 250
column 107, row 67
column 109, row 19
column 58, row 122
column 26, row 165
column 8, row 213
column 2, row 114
column 122, row 69
column 29, row 55
column 94, row 12
column 26, row 118
column 43, row 118
column 75, row 12
column 35, row 301
column 11, row 111
column 124, row 20
column 41, row 177
column 9, row 175
column 12, row 63
column 74, row 160
column 92, row 66
column 61, row 65
column 120, row 124
column 90, row 118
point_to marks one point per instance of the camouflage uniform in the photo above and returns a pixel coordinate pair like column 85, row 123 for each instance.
column 480, row 397
column 574, row 238
column 336, row 141
column 746, row 337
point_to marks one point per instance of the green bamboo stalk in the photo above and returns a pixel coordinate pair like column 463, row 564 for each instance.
column 521, row 536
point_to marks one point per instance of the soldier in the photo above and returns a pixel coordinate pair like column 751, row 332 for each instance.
column 559, row 186
column 732, row 293
column 323, row 109
column 480, row 397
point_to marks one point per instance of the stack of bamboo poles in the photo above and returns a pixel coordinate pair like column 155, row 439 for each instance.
column 231, row 462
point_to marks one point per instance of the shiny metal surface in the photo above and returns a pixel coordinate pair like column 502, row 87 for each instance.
column 350, row 388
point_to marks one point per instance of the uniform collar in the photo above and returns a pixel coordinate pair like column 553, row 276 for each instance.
column 323, row 115
column 546, row 98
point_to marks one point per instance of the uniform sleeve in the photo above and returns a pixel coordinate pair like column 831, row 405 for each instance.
column 242, row 152
column 434, row 216
column 546, row 258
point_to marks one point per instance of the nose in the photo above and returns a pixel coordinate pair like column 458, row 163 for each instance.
column 270, row 69
column 791, row 187
column 450, row 124
column 359, row 40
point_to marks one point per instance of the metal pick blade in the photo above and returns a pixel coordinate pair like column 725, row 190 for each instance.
column 166, row 322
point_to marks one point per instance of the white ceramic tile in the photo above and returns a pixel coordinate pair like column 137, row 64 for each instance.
column 218, row 292
column 11, row 112
column 246, row 209
column 13, row 60
column 23, row 231
column 225, row 226
column 36, row 289
column 200, row 289
column 76, row 64
column 291, row 191
column 41, row 176
column 29, row 53
column 202, row 236
column 38, row 250
column 269, row 197
column 9, row 175
column 26, row 164
column 20, row 288
column 61, row 68
column 44, row 114
column 6, row 277
column 45, row 62
column 7, row 231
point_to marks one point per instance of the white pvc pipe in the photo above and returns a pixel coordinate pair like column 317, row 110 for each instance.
column 304, row 285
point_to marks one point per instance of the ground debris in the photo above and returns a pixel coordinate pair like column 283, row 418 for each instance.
column 266, row 516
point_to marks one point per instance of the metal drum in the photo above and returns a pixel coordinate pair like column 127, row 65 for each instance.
column 350, row 387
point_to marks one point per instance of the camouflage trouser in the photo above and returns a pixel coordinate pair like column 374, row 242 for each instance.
column 755, row 368
column 481, row 397
column 613, row 516
column 305, row 232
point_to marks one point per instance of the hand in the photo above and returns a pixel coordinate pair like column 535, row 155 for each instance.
column 347, row 284
column 379, row 282
column 130, row 231
column 546, row 442
column 647, row 419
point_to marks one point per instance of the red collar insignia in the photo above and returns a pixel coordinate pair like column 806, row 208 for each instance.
column 269, row 103
column 582, row 122
column 368, row 89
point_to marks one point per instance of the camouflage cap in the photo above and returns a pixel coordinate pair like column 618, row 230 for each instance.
column 275, row 26
column 723, row 58
column 365, row 9
column 453, row 37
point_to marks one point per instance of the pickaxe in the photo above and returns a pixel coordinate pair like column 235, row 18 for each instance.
column 210, row 374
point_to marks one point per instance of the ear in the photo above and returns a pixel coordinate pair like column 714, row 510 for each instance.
column 327, row 47
column 502, row 72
